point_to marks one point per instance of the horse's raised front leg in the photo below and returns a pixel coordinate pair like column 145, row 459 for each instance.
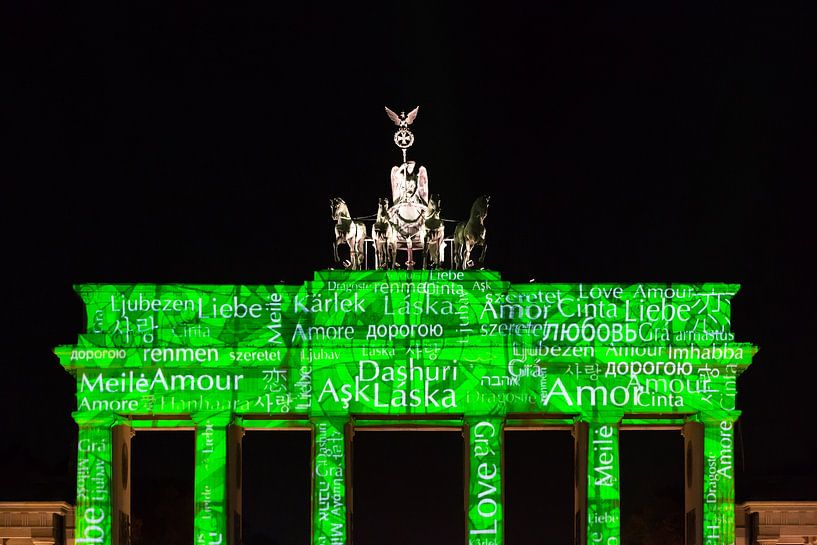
column 432, row 256
column 360, row 253
column 466, row 262
column 378, row 256
column 455, row 254
column 353, row 256
column 482, row 254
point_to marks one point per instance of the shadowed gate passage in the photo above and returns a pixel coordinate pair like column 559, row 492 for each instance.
column 398, row 497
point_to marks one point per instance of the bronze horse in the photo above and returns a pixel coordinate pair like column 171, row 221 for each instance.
column 434, row 233
column 384, row 235
column 347, row 231
column 471, row 234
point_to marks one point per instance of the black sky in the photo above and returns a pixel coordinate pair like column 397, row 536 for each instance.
column 183, row 142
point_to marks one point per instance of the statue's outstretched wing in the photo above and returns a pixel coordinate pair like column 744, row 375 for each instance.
column 422, row 186
column 412, row 114
column 393, row 116
column 396, row 185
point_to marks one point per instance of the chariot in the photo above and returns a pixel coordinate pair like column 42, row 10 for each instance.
column 410, row 224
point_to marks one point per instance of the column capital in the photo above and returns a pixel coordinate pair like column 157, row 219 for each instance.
column 342, row 419
column 213, row 418
column 95, row 419
column 600, row 418
column 469, row 418
column 711, row 417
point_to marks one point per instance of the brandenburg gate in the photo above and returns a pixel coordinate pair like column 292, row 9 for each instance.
column 356, row 349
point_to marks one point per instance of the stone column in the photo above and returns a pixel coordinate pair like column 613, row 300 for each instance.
column 210, row 488
column 719, row 478
column 121, row 483
column 330, row 520
column 94, row 514
column 579, row 483
column 710, row 478
column 235, row 438
column 485, row 521
column 598, row 492
column 693, row 481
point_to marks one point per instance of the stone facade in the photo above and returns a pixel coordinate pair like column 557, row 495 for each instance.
column 776, row 523
column 757, row 523
column 36, row 523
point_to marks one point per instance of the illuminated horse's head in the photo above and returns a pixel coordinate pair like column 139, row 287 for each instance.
column 382, row 209
column 434, row 206
column 479, row 210
column 339, row 209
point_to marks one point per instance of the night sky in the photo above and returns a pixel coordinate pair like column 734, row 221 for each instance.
column 654, row 142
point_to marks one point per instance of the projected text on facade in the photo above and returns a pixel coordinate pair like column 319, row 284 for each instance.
column 462, row 348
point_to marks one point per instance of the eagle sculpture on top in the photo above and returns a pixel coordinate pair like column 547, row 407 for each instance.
column 402, row 120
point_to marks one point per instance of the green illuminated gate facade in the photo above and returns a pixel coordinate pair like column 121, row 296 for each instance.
column 454, row 349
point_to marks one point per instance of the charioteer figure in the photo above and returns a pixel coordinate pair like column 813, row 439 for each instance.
column 409, row 188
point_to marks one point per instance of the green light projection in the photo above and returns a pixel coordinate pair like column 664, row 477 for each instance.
column 485, row 521
column 603, row 481
column 94, row 458
column 719, row 484
column 210, row 491
column 329, row 483
column 412, row 344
